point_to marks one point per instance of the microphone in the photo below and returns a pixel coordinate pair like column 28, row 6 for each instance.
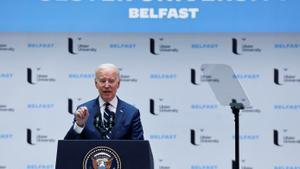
column 111, row 121
column 97, row 121
column 98, row 125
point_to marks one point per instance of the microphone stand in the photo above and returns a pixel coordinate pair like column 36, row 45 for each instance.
column 111, row 122
column 101, row 127
column 98, row 125
column 236, row 107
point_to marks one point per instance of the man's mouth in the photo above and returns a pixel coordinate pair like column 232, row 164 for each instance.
column 106, row 92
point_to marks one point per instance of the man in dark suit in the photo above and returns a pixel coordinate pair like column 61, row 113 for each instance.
column 107, row 116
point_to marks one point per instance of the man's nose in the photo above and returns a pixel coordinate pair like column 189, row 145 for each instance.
column 106, row 84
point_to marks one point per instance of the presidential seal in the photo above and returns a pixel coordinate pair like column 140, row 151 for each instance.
column 101, row 157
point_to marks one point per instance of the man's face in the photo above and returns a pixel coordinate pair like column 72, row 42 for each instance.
column 107, row 83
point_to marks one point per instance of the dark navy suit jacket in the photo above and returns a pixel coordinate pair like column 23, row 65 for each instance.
column 127, row 123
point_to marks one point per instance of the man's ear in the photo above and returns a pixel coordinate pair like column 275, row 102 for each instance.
column 119, row 83
column 96, row 83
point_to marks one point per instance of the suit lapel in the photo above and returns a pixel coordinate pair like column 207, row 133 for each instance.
column 95, row 110
column 96, row 107
column 120, row 114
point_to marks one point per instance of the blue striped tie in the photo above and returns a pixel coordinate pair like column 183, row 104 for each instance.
column 108, row 120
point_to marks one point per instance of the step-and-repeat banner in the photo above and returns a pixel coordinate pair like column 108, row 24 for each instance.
column 49, row 50
column 44, row 76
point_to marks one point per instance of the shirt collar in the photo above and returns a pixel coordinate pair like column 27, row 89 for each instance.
column 113, row 102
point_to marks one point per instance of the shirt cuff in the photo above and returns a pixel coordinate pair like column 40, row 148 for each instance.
column 77, row 128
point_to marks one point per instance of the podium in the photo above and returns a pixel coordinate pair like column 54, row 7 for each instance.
column 104, row 154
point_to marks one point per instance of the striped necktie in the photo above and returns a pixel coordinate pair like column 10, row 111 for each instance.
column 108, row 120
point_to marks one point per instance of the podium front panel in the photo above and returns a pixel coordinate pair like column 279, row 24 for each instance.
column 86, row 154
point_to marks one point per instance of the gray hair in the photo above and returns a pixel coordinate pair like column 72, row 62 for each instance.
column 109, row 65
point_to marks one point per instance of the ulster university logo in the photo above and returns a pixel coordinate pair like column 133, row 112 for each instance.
column 101, row 157
column 161, row 107
column 199, row 76
column 71, row 107
column 160, row 46
column 284, row 76
column 203, row 137
column 71, row 46
column 276, row 138
column 240, row 46
column 36, row 76
column 76, row 46
column 152, row 107
column 152, row 47
column 235, row 46
column 29, row 76
column 194, row 80
column 37, row 137
column 276, row 77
